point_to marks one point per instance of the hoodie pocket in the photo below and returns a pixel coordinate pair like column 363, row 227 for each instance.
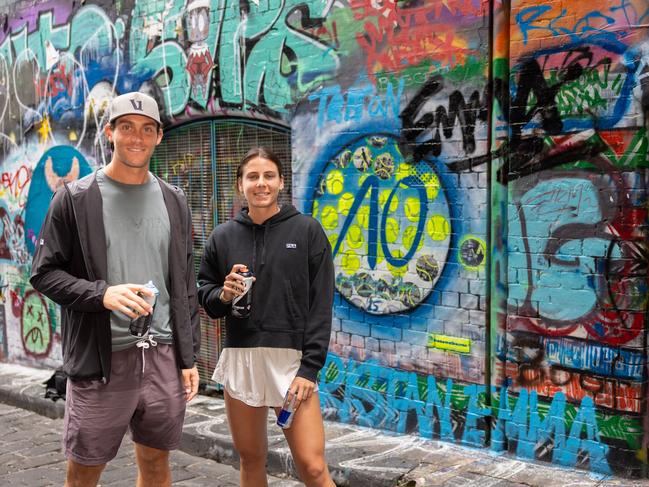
column 290, row 301
column 285, row 315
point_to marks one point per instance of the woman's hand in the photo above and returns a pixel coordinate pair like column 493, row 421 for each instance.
column 302, row 389
column 233, row 285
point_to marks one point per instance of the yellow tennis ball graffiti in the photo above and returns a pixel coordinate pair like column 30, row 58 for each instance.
column 391, row 230
column 388, row 221
column 408, row 238
column 350, row 262
column 355, row 236
column 438, row 227
column 383, row 199
column 333, row 239
column 431, row 182
column 363, row 216
column 411, row 208
column 335, row 182
column 329, row 218
column 398, row 271
column 345, row 202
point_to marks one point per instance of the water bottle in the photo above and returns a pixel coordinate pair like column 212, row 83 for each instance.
column 285, row 416
column 242, row 305
column 140, row 326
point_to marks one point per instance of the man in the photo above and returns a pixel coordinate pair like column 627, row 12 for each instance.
column 104, row 236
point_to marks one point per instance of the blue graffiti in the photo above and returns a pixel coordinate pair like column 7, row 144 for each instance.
column 555, row 273
column 357, row 103
column 376, row 396
column 596, row 358
column 371, row 184
column 58, row 164
column 527, row 17
column 524, row 424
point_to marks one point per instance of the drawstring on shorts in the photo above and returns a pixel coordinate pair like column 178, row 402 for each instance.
column 146, row 342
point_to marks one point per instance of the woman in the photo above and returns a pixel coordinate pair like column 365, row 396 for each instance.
column 282, row 345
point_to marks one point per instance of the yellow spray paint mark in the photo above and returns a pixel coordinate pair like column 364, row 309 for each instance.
column 449, row 343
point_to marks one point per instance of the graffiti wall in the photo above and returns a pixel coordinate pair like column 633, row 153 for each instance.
column 479, row 167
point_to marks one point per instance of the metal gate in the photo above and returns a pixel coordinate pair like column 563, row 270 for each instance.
column 202, row 159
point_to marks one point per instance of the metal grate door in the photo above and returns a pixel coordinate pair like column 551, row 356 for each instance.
column 202, row 159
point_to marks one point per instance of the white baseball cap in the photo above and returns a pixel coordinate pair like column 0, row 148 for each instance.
column 134, row 103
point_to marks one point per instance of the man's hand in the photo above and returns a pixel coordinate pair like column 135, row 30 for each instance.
column 302, row 388
column 190, row 382
column 124, row 298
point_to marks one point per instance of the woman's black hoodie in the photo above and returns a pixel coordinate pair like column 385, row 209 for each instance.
column 292, row 297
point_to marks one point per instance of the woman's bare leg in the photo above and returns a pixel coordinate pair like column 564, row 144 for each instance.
column 248, row 428
column 306, row 439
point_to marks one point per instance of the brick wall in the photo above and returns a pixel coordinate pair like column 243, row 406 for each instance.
column 480, row 169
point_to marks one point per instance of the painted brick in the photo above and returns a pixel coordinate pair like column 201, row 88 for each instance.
column 358, row 341
column 343, row 338
column 419, row 323
column 341, row 312
column 371, row 344
column 469, row 301
column 477, row 317
column 451, row 299
column 387, row 346
column 386, row 333
column 415, row 337
column 355, row 327
column 336, row 324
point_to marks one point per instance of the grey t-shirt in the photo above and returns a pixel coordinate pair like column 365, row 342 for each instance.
column 137, row 239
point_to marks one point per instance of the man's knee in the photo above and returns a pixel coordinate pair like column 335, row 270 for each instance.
column 151, row 459
column 79, row 475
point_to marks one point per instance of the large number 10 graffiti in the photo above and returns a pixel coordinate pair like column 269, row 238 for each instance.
column 388, row 222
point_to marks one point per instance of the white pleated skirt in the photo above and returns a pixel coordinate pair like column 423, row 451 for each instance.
column 257, row 376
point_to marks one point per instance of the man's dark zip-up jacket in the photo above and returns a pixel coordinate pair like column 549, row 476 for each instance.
column 293, row 295
column 70, row 267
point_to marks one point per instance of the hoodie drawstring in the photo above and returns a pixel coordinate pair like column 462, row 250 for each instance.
column 263, row 244
column 254, row 249
column 146, row 342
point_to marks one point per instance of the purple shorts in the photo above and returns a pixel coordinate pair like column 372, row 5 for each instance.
column 150, row 403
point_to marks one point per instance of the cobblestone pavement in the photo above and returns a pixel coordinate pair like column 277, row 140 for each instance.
column 30, row 455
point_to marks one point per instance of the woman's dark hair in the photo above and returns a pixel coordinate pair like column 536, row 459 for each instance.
column 263, row 153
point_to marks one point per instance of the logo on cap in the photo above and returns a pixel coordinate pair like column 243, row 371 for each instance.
column 137, row 104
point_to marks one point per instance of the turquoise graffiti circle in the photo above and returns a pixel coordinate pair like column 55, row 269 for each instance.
column 388, row 222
